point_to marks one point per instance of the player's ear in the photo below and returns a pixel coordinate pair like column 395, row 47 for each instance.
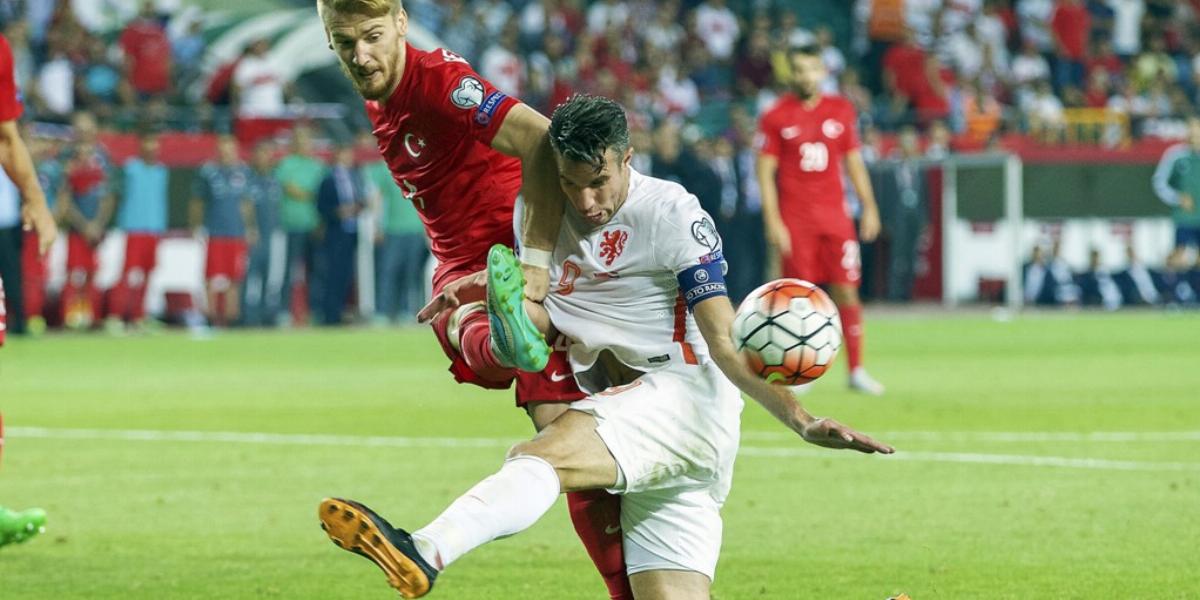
column 628, row 158
column 402, row 22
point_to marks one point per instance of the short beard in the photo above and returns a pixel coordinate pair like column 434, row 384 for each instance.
column 354, row 82
column 804, row 93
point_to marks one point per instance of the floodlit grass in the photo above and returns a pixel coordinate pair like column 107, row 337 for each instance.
column 962, row 511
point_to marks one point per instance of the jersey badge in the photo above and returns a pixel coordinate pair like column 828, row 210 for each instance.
column 468, row 94
column 487, row 109
column 832, row 128
column 612, row 245
column 705, row 233
column 790, row 133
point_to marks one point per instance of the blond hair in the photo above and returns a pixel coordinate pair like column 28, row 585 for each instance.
column 369, row 8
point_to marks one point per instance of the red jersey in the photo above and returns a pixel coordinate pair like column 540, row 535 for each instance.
column 146, row 45
column 435, row 134
column 10, row 104
column 809, row 145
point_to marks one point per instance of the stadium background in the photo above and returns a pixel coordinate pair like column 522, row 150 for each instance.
column 1051, row 456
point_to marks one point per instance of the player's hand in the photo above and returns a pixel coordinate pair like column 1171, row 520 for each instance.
column 40, row 220
column 471, row 288
column 1186, row 202
column 831, row 434
column 869, row 225
column 779, row 238
column 537, row 282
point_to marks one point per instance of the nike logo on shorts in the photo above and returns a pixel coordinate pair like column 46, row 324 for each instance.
column 612, row 529
column 556, row 377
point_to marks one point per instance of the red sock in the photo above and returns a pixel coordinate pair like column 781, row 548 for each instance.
column 595, row 513
column 852, row 328
column 475, row 345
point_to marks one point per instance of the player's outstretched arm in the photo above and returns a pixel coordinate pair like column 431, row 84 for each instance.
column 714, row 316
column 14, row 157
column 525, row 135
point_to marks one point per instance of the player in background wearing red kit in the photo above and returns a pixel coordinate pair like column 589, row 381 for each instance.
column 803, row 141
column 35, row 216
column 461, row 151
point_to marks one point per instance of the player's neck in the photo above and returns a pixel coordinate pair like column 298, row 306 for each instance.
column 810, row 102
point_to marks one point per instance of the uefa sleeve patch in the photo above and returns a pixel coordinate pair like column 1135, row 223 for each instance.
column 702, row 282
column 487, row 110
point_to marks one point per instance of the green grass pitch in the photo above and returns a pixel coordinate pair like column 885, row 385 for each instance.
column 1000, row 489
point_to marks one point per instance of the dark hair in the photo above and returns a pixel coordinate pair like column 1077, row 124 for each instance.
column 585, row 127
column 805, row 50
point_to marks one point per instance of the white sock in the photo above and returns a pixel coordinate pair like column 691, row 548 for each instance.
column 505, row 503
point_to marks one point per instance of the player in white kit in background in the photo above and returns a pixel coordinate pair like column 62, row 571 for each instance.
column 641, row 299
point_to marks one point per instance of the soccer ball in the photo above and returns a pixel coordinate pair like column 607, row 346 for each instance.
column 788, row 331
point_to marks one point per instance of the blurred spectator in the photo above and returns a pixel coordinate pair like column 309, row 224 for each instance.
column 885, row 27
column 402, row 249
column 102, row 86
column 55, row 98
column 1136, row 282
column 493, row 15
column 1070, row 25
column 258, row 84
column 1098, row 91
column 187, row 50
column 1127, row 26
column 940, row 139
column 143, row 217
column 1154, row 64
column 982, row 114
column 668, row 160
column 835, row 61
column 340, row 200
column 260, row 291
column 1048, row 279
column 904, row 207
column 221, row 203
column 752, row 69
column 34, row 265
column 1103, row 59
column 605, row 14
column 678, row 95
column 300, row 174
column 664, row 33
column 1177, row 183
column 1035, row 19
column 461, row 31
column 745, row 250
column 718, row 28
column 24, row 67
column 1096, row 285
column 1044, row 113
column 147, row 53
column 91, row 207
column 502, row 64
column 1029, row 67
column 913, row 79
column 1175, row 284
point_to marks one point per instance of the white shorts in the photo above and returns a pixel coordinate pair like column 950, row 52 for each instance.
column 674, row 434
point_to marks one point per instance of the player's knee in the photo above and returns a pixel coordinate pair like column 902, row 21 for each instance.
column 543, row 451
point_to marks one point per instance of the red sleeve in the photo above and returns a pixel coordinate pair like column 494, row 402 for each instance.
column 460, row 95
column 767, row 138
column 10, row 105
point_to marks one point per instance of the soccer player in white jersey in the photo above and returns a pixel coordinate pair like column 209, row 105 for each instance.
column 641, row 297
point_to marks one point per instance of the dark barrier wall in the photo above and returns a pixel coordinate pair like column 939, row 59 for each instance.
column 1063, row 190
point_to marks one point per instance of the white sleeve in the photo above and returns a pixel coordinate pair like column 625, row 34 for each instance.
column 687, row 243
column 1162, row 175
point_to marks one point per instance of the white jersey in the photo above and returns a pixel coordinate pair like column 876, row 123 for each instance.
column 619, row 285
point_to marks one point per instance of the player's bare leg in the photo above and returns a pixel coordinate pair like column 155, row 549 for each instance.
column 850, row 307
column 670, row 585
column 567, row 455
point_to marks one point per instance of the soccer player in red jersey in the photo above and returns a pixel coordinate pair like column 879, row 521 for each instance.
column 803, row 141
column 14, row 157
column 461, row 151
column 35, row 216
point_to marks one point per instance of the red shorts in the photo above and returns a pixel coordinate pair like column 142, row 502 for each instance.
column 548, row 386
column 81, row 255
column 823, row 258
column 226, row 258
column 555, row 383
column 141, row 251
